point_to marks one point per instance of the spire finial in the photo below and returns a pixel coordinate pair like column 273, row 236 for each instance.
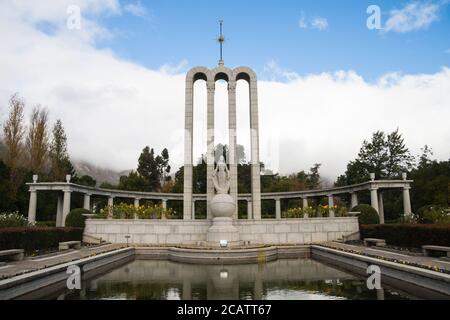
column 221, row 40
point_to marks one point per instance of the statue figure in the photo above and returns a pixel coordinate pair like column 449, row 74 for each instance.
column 221, row 177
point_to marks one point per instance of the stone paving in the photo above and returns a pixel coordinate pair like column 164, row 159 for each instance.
column 30, row 264
column 430, row 263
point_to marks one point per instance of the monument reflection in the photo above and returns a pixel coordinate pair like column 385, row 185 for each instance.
column 301, row 279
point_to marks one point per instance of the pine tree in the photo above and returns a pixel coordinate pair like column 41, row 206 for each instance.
column 59, row 158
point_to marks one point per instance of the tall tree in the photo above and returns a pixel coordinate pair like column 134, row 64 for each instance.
column 37, row 142
column 385, row 155
column 14, row 131
column 59, row 158
column 162, row 163
column 313, row 180
column 148, row 168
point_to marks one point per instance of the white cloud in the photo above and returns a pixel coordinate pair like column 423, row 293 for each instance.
column 413, row 16
column 447, row 51
column 319, row 23
column 136, row 9
column 112, row 108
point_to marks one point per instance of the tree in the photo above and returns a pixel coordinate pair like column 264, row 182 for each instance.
column 385, row 155
column 14, row 130
column 59, row 158
column 162, row 163
column 37, row 144
column 425, row 157
column 134, row 182
column 431, row 184
column 86, row 180
column 148, row 168
column 313, row 179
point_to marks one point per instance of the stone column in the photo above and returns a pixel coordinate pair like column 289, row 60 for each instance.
column 233, row 161
column 305, row 203
column 193, row 209
column 164, row 206
column 354, row 200
column 406, row 202
column 249, row 210
column 136, row 205
column 374, row 198
column 278, row 208
column 87, row 201
column 110, row 207
column 59, row 210
column 211, row 87
column 331, row 205
column 32, row 206
column 66, row 205
column 381, row 207
column 254, row 130
column 188, row 148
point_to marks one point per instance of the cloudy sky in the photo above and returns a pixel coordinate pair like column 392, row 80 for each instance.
column 326, row 81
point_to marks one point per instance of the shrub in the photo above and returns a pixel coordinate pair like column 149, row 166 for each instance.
column 433, row 214
column 367, row 215
column 11, row 220
column 37, row 238
column 295, row 213
column 75, row 218
column 124, row 211
column 409, row 235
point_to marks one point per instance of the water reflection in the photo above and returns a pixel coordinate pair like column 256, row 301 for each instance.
column 301, row 279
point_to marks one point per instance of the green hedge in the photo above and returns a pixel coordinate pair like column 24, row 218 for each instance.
column 75, row 218
column 37, row 238
column 409, row 235
column 367, row 214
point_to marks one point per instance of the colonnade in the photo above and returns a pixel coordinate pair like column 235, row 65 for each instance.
column 65, row 190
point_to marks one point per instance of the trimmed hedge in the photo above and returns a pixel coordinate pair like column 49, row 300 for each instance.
column 75, row 218
column 37, row 238
column 368, row 215
column 409, row 235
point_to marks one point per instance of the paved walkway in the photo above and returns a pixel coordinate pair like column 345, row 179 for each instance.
column 31, row 264
column 430, row 263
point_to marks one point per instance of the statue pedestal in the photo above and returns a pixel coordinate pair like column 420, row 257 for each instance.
column 222, row 209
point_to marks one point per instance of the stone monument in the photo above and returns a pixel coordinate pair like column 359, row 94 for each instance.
column 223, row 207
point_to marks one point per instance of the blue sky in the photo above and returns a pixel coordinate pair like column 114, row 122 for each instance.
column 261, row 31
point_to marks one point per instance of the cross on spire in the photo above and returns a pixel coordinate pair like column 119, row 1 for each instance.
column 221, row 40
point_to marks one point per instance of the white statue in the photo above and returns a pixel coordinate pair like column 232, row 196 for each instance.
column 221, row 177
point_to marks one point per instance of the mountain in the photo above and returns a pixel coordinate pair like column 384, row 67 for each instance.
column 100, row 174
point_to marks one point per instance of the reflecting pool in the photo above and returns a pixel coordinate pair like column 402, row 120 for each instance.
column 300, row 279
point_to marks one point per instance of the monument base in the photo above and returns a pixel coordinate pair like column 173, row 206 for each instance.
column 222, row 229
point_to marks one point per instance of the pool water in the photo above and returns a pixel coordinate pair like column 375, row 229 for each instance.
column 300, row 279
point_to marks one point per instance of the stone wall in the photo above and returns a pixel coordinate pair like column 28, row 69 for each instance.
column 175, row 232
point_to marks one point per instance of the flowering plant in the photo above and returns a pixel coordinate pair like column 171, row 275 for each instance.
column 12, row 219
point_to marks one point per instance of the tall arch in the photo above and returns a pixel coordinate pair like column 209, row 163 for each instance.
column 231, row 76
column 199, row 73
column 247, row 74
